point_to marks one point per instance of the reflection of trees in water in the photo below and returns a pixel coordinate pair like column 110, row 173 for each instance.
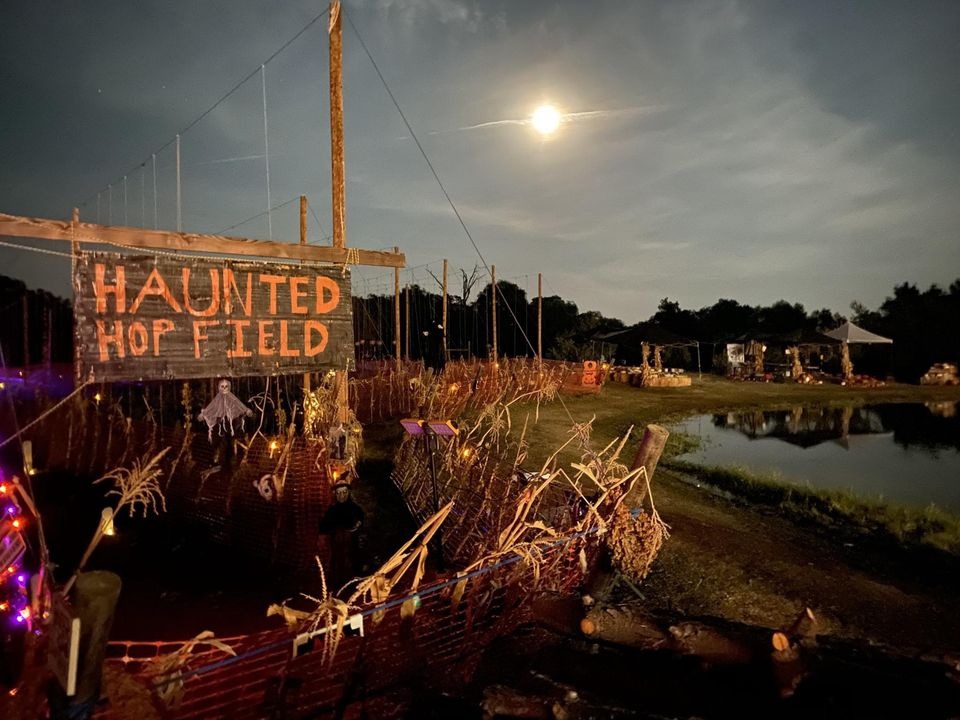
column 915, row 425
column 911, row 424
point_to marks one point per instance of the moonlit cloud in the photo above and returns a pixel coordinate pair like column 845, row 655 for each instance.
column 568, row 117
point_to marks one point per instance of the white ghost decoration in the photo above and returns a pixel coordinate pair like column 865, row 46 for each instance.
column 224, row 409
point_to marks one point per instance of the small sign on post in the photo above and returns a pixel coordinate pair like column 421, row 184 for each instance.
column 64, row 650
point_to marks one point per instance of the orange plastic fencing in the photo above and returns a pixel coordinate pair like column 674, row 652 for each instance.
column 437, row 647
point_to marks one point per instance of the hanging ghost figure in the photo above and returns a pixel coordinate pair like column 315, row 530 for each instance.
column 223, row 410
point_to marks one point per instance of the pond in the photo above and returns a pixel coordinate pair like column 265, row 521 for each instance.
column 907, row 453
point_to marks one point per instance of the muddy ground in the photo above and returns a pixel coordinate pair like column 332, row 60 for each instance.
column 750, row 565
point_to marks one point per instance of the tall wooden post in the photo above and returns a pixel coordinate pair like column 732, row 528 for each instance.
column 444, row 309
column 74, row 254
column 539, row 317
column 25, row 303
column 406, row 310
column 396, row 311
column 338, row 215
column 493, row 307
column 338, row 189
column 303, row 241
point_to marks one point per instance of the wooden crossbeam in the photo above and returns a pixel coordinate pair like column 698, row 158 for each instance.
column 132, row 237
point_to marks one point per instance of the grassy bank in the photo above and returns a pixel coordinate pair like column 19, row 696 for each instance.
column 847, row 512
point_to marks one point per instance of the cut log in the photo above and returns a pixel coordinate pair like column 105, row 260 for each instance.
column 626, row 625
column 805, row 626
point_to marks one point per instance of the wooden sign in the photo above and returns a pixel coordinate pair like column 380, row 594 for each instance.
column 63, row 651
column 146, row 318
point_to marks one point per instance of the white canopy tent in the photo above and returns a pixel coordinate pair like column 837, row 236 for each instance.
column 850, row 333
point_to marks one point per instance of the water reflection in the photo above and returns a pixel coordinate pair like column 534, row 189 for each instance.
column 930, row 425
column 906, row 452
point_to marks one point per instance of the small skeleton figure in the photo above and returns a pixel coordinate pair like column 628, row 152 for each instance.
column 223, row 410
column 337, row 442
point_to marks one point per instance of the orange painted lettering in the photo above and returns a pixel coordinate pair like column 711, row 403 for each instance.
column 272, row 281
column 295, row 294
column 214, row 294
column 200, row 333
column 160, row 327
column 263, row 336
column 104, row 339
column 310, row 327
column 327, row 284
column 156, row 286
column 101, row 289
column 285, row 351
column 230, row 287
column 237, row 350
column 137, row 335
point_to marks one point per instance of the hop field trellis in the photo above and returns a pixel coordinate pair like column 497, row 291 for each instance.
column 382, row 390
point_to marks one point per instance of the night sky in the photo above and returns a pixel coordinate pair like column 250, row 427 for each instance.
column 756, row 151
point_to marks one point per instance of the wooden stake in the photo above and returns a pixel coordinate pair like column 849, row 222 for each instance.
column 396, row 311
column 493, row 307
column 26, row 330
column 74, row 254
column 648, row 454
column 445, row 310
column 540, row 317
column 303, row 241
column 406, row 294
column 336, row 125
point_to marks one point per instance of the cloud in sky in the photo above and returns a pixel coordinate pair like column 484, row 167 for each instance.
column 757, row 150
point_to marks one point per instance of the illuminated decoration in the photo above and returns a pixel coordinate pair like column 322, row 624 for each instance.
column 412, row 426
column 445, row 428
column 14, row 580
column 106, row 522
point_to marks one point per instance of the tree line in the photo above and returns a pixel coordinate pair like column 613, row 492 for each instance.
column 924, row 325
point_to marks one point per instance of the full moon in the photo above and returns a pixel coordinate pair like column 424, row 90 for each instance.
column 545, row 119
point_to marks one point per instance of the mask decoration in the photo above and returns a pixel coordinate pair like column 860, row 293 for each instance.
column 223, row 410
column 266, row 486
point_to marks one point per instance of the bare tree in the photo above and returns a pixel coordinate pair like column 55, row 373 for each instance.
column 469, row 281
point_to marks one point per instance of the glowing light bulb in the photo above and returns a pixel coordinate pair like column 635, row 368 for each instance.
column 98, row 397
column 3, row 488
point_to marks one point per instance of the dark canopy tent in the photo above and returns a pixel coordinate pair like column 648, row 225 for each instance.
column 630, row 341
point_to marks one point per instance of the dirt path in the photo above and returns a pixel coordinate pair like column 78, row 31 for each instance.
column 748, row 565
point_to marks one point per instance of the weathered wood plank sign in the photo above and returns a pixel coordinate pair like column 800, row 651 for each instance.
column 144, row 318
